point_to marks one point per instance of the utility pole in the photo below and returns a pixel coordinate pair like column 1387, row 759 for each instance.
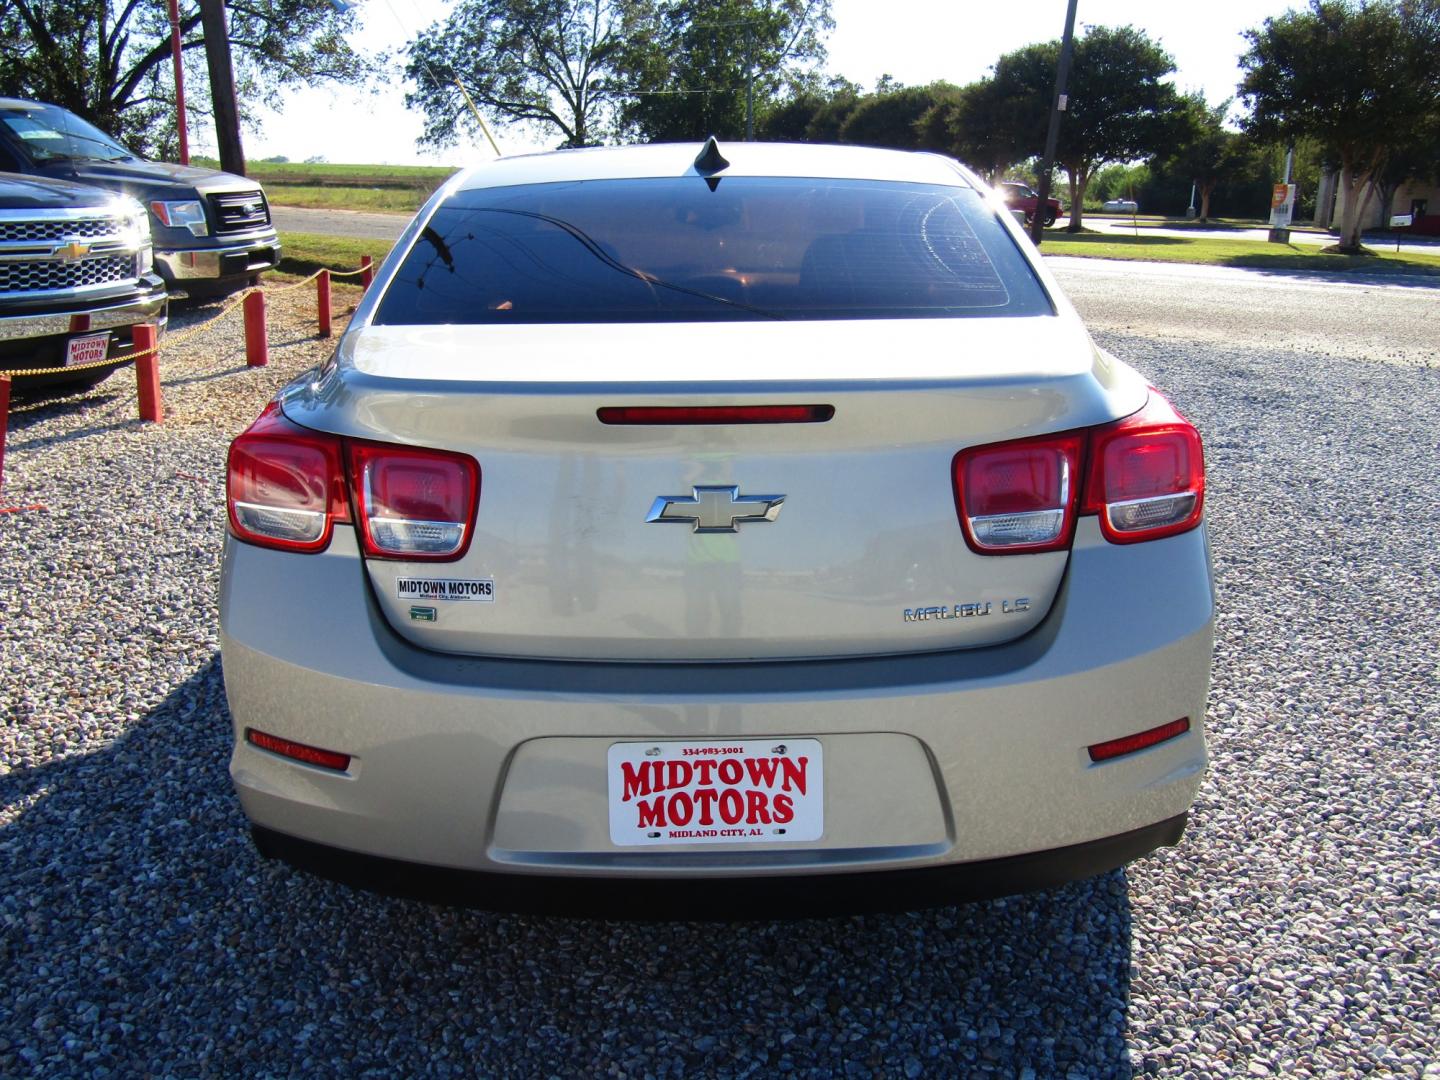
column 222, row 86
column 179, row 82
column 1052, row 135
column 749, row 83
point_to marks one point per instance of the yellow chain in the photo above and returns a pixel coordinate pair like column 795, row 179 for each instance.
column 179, row 336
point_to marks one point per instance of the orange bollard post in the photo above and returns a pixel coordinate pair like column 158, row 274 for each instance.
column 257, row 342
column 4, row 419
column 367, row 267
column 322, row 301
column 147, row 374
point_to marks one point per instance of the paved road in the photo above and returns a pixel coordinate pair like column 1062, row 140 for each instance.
column 1124, row 227
column 357, row 223
column 1388, row 319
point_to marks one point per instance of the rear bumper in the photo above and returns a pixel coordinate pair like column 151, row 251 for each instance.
column 743, row 898
column 232, row 259
column 945, row 759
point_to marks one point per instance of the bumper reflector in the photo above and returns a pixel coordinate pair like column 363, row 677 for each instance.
column 1130, row 743
column 310, row 755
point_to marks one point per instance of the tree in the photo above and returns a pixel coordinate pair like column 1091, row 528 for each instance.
column 222, row 86
column 990, row 124
column 893, row 118
column 1362, row 78
column 1206, row 152
column 1118, row 110
column 703, row 63
column 547, row 63
column 109, row 60
column 1418, row 158
column 812, row 111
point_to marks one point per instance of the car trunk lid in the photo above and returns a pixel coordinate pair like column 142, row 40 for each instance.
column 615, row 541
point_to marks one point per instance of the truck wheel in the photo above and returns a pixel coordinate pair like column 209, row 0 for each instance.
column 1049, row 218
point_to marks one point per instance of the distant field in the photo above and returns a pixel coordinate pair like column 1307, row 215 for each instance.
column 399, row 188
column 295, row 172
column 392, row 199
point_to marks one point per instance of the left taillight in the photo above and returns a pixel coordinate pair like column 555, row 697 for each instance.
column 285, row 485
column 1019, row 497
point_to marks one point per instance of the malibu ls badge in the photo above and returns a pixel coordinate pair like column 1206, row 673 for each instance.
column 714, row 509
column 1017, row 606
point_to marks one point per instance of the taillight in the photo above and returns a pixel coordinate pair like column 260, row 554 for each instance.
column 1147, row 474
column 413, row 503
column 284, row 484
column 1019, row 497
column 1144, row 477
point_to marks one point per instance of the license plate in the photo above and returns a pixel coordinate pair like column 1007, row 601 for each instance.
column 87, row 350
column 752, row 791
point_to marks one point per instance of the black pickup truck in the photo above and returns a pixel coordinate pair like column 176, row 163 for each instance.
column 212, row 230
column 76, row 277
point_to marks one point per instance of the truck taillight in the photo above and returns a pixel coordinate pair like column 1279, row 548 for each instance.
column 412, row 503
column 1147, row 474
column 1144, row 476
column 285, row 486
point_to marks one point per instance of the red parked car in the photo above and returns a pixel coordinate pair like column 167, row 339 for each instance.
column 1019, row 196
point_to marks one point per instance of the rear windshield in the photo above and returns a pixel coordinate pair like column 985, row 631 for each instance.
column 674, row 250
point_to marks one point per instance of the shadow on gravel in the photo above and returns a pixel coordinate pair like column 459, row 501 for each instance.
column 142, row 934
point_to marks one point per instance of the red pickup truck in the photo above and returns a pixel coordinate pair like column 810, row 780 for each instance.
column 1019, row 196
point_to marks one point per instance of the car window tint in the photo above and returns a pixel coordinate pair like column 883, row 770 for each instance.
column 673, row 249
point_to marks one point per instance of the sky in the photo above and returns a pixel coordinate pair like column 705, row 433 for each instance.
column 915, row 41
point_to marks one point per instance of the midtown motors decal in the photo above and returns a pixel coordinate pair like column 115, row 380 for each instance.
column 409, row 588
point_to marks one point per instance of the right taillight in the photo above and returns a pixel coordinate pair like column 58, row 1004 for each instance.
column 1147, row 474
column 1143, row 476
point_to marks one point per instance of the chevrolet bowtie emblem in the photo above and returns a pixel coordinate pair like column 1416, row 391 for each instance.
column 715, row 509
column 70, row 252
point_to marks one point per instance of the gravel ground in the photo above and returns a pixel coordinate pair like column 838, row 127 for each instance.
column 1293, row 933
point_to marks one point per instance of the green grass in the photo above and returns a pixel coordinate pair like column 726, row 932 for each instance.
column 360, row 175
column 398, row 188
column 304, row 253
column 386, row 199
column 1254, row 254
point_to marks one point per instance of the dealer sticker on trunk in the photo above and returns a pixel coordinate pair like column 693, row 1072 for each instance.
column 409, row 588
column 743, row 792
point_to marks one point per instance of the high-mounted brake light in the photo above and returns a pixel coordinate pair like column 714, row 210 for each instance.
column 1147, row 474
column 284, row 484
column 1020, row 496
column 413, row 503
column 715, row 414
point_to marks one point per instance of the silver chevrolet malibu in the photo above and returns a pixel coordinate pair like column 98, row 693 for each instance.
column 716, row 531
